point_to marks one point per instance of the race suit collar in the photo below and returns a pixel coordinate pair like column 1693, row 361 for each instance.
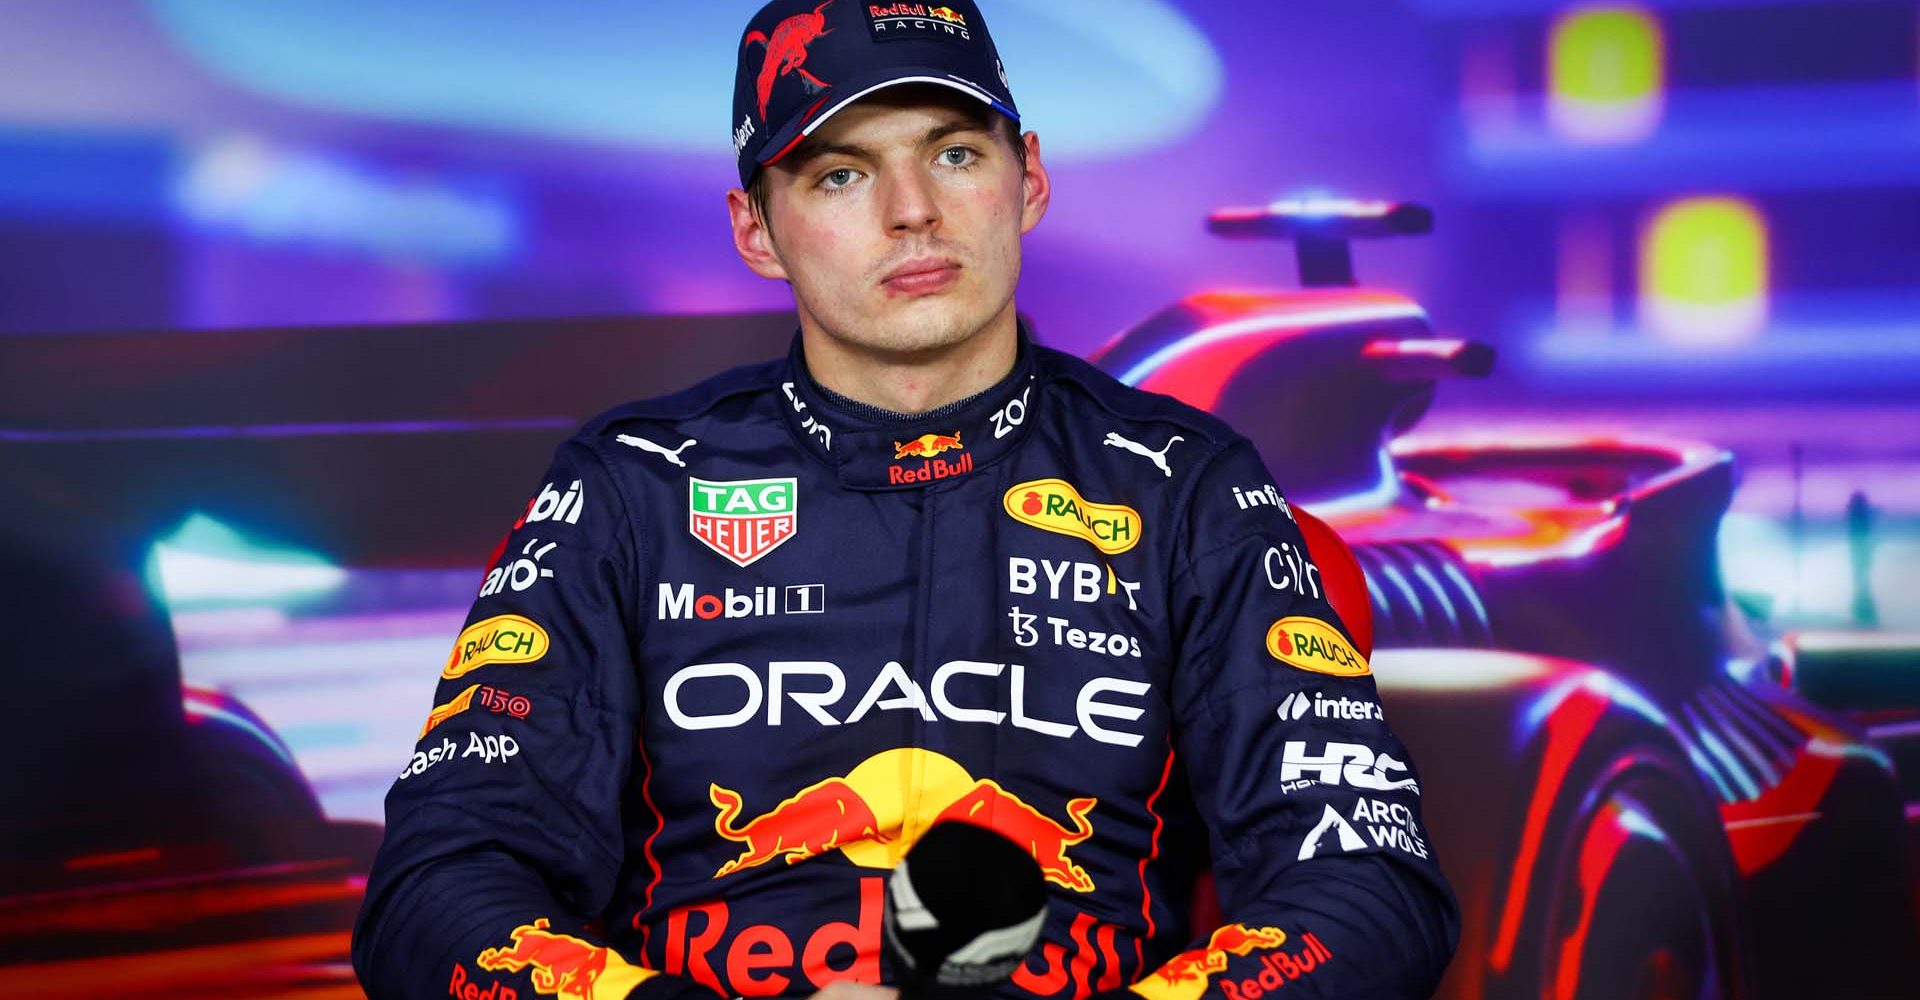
column 871, row 454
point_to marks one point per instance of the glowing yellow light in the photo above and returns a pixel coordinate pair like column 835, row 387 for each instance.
column 1703, row 272
column 1606, row 74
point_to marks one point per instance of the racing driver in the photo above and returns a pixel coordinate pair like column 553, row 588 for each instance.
column 748, row 641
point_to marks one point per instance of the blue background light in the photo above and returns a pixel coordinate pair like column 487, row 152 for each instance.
column 1113, row 77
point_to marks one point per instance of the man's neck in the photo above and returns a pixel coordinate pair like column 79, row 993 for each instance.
column 914, row 383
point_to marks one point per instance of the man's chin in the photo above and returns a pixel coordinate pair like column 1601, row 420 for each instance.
column 925, row 325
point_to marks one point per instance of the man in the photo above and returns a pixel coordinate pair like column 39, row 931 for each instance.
column 749, row 641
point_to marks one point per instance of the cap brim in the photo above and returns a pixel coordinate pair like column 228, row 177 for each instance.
column 787, row 138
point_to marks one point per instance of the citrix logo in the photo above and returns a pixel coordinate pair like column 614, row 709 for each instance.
column 1299, row 703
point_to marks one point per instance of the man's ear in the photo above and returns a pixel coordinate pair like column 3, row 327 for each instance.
column 1036, row 187
column 751, row 238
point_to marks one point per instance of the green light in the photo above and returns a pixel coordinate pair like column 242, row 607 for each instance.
column 1703, row 271
column 1606, row 73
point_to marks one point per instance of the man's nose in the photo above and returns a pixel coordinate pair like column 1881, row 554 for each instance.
column 911, row 202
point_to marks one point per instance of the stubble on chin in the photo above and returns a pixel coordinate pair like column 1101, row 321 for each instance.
column 905, row 336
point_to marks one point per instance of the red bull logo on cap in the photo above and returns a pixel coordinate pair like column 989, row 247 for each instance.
column 563, row 966
column 903, row 20
column 872, row 818
column 786, row 51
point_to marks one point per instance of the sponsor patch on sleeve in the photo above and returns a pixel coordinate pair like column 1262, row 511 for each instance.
column 1312, row 644
column 500, row 639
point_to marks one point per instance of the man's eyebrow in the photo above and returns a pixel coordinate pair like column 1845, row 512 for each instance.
column 957, row 125
column 812, row 151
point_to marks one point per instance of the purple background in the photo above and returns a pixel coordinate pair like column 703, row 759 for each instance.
column 177, row 167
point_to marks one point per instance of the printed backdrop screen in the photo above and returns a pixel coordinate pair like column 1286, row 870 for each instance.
column 1619, row 411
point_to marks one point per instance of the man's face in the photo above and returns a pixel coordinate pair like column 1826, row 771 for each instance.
column 898, row 222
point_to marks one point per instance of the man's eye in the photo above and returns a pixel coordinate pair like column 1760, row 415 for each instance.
column 956, row 156
column 839, row 178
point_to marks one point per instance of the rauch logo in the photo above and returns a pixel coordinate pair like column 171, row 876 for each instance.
column 500, row 639
column 1054, row 505
column 1311, row 644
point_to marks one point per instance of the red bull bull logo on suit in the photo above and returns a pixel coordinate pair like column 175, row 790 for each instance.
column 1187, row 975
column 869, row 817
column 561, row 965
column 926, row 447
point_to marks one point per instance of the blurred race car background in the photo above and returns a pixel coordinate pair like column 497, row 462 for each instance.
column 1620, row 418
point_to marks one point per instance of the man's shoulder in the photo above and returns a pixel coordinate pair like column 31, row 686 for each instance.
column 1138, row 409
column 731, row 394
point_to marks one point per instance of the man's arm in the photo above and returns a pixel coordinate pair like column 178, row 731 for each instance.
column 1324, row 870
column 503, row 832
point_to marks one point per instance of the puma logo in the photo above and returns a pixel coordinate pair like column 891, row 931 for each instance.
column 670, row 454
column 1158, row 458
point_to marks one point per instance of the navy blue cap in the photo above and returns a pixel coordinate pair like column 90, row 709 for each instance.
column 801, row 61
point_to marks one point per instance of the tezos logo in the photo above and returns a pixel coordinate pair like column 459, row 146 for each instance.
column 1311, row 644
column 743, row 519
column 1054, row 505
column 1065, row 634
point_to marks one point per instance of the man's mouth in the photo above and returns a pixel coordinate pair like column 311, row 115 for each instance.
column 922, row 276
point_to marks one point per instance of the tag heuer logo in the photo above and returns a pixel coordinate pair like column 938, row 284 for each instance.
column 743, row 519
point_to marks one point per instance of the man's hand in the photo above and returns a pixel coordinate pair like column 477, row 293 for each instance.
column 847, row 989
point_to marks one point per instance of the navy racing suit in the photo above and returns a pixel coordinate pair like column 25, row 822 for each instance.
column 745, row 644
